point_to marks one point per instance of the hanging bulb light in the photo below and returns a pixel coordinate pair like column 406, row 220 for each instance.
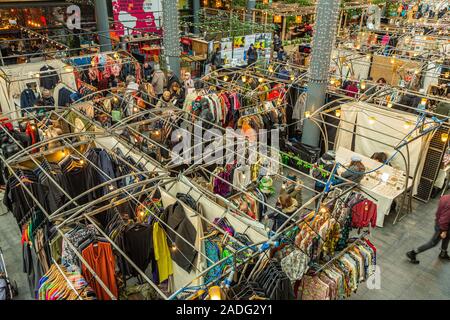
column 363, row 85
column 68, row 68
column 111, row 187
column 368, row 56
column 81, row 161
column 417, row 71
column 214, row 293
column 33, row 127
column 174, row 247
column 447, row 74
column 244, row 78
column 260, row 80
column 332, row 81
column 444, row 137
column 270, row 69
column 116, row 55
column 338, row 113
column 292, row 77
column 389, row 105
column 225, row 78
column 307, row 114
column 372, row 120
column 423, row 101
column 407, row 124
column 63, row 153
column 323, row 210
column 115, row 99
column 135, row 109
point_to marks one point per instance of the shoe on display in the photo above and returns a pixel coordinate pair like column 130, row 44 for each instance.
column 412, row 257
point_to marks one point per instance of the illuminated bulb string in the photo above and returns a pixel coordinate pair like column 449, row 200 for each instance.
column 422, row 117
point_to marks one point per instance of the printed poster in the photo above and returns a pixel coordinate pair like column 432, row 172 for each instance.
column 143, row 15
column 226, row 50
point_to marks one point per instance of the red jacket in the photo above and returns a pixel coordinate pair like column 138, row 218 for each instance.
column 363, row 213
column 443, row 213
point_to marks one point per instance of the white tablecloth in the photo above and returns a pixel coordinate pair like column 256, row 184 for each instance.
column 383, row 192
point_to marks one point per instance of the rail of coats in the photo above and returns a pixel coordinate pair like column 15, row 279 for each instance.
column 142, row 238
column 103, row 72
column 317, row 259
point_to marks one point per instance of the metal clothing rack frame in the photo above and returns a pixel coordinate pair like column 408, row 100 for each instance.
column 82, row 208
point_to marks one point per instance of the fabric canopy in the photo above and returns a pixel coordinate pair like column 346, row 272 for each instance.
column 377, row 131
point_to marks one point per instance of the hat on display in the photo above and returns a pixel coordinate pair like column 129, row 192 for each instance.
column 266, row 185
column 356, row 158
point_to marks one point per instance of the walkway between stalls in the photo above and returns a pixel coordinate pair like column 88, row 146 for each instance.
column 12, row 251
column 401, row 279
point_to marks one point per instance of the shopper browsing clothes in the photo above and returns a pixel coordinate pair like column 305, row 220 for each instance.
column 441, row 232
column 287, row 205
column 158, row 81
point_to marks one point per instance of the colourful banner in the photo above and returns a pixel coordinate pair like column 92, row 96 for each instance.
column 136, row 16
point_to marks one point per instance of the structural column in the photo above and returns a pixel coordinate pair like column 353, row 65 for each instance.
column 327, row 14
column 101, row 16
column 171, row 35
column 251, row 4
column 196, row 10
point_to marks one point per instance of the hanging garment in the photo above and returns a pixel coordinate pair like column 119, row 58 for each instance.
column 27, row 99
column 363, row 214
column 137, row 242
column 176, row 219
column 162, row 252
column 48, row 77
column 100, row 258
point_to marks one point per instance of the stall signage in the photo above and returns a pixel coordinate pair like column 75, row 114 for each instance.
column 136, row 16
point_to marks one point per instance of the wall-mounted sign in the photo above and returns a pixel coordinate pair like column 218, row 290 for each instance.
column 136, row 16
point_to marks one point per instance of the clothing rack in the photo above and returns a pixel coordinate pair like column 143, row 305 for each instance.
column 67, row 280
column 87, row 216
column 363, row 234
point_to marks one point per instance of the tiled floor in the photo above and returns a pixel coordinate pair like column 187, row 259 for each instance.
column 399, row 279
column 12, row 251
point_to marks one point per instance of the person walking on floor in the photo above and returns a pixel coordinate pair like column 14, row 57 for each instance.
column 252, row 55
column 441, row 232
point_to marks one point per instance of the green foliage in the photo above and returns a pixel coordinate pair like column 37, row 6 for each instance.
column 303, row 3
column 239, row 3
